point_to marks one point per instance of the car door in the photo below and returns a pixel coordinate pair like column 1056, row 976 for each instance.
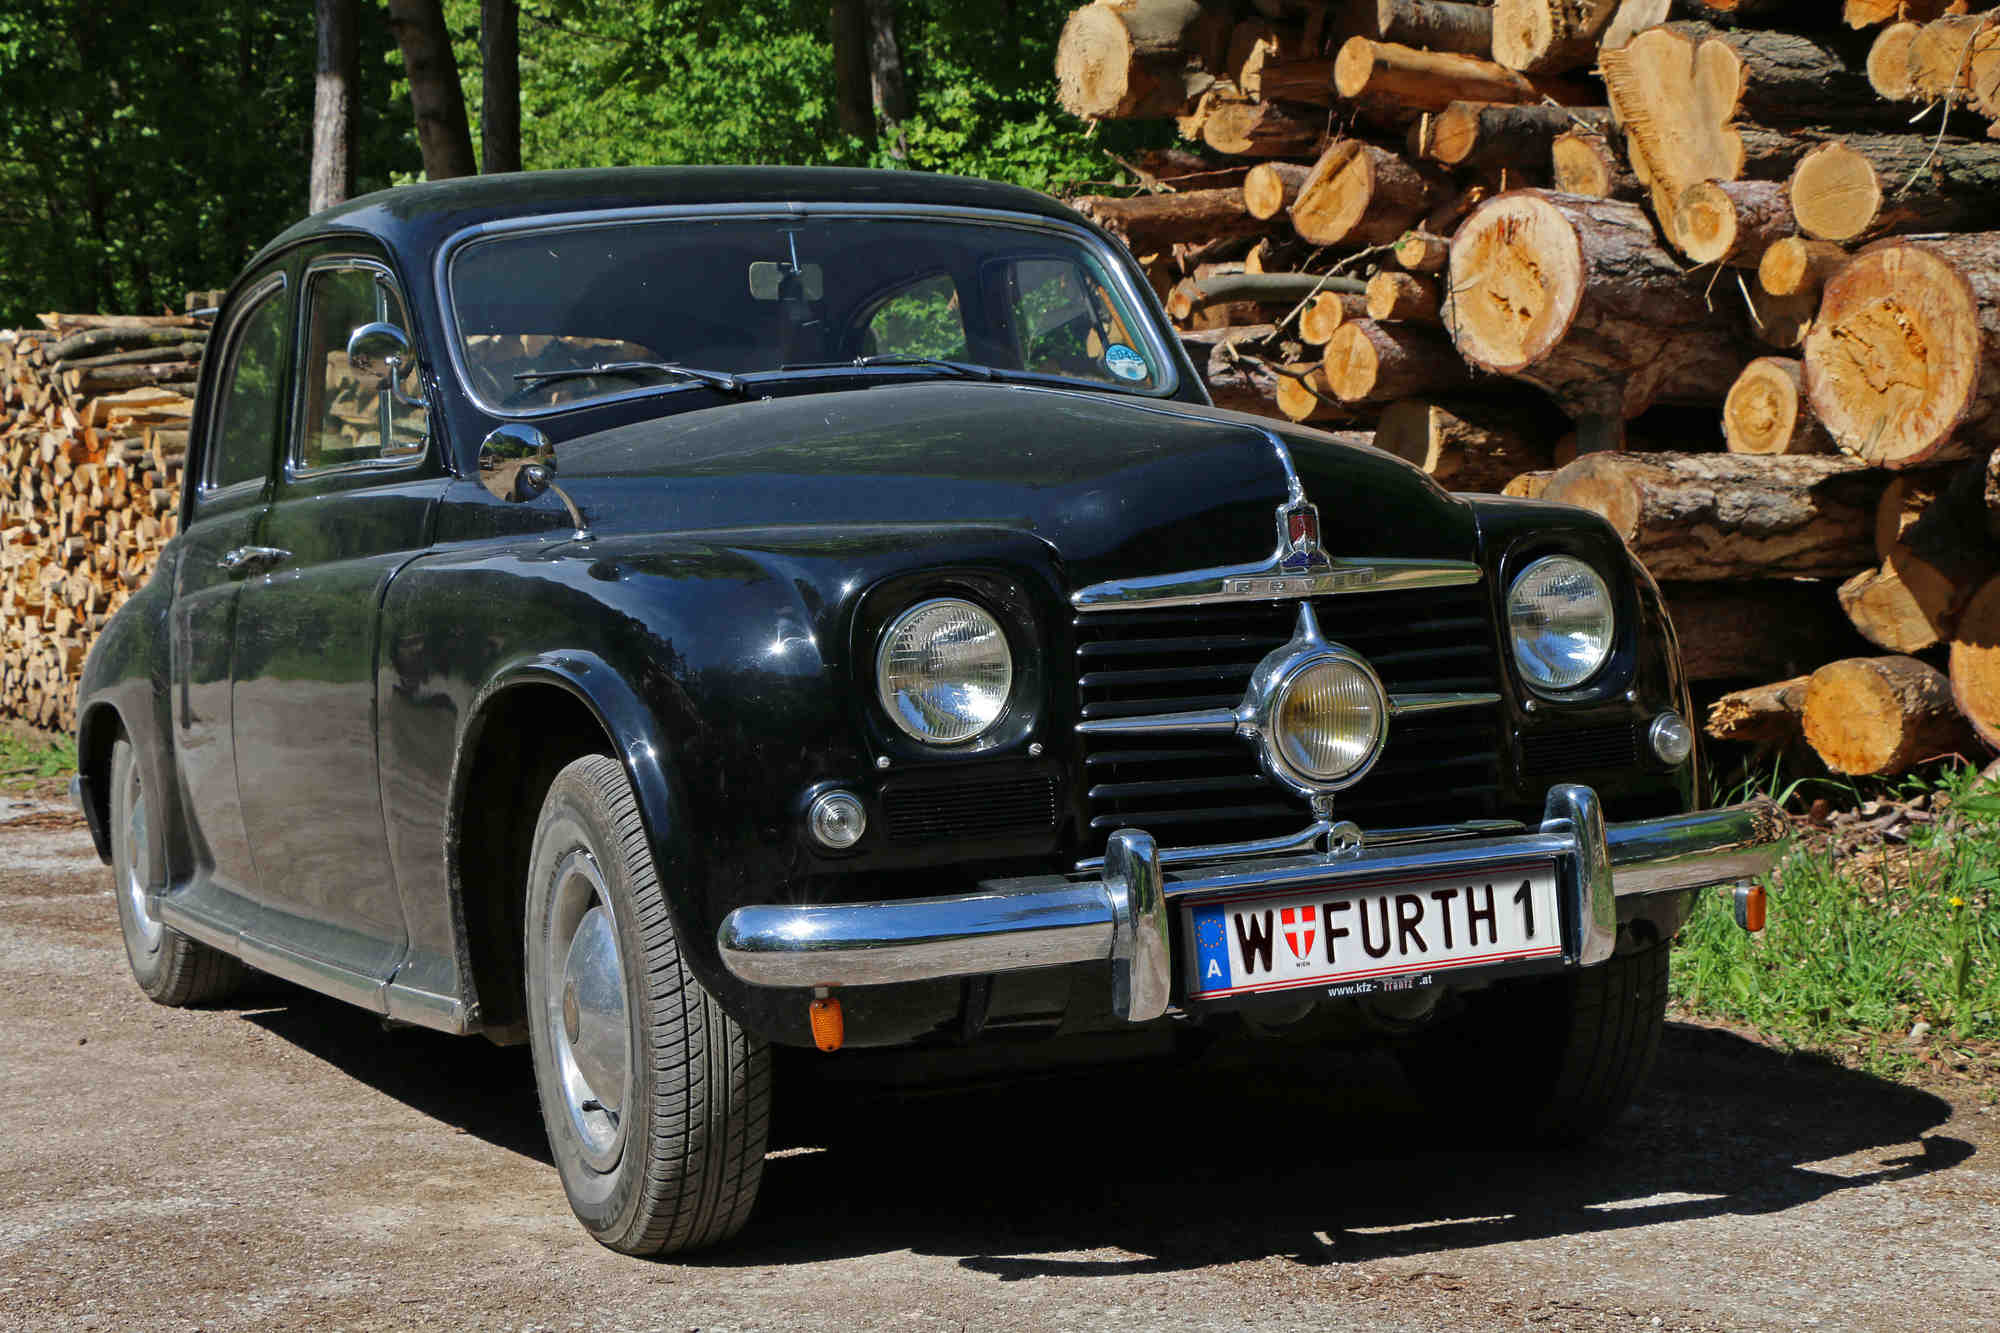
column 236, row 447
column 355, row 499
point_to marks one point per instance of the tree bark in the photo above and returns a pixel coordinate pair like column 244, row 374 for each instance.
column 436, row 95
column 1358, row 194
column 1403, row 298
column 853, row 104
column 1711, row 517
column 1402, row 78
column 1371, row 362
column 1868, row 186
column 1575, row 295
column 1437, row 25
column 336, row 73
column 1975, row 662
column 1149, row 58
column 1880, row 716
column 1271, row 187
column 1151, row 222
column 1529, row 485
column 1760, row 629
column 1549, row 36
column 1767, row 413
column 1787, row 78
column 1732, row 222
column 1236, row 371
column 1274, row 289
column 1464, row 445
column 1903, row 362
column 500, row 85
column 1765, row 713
column 1502, row 134
column 885, row 73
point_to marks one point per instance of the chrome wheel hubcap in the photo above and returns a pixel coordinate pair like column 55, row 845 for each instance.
column 146, row 927
column 587, row 1020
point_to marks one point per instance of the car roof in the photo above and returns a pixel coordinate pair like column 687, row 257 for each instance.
column 416, row 218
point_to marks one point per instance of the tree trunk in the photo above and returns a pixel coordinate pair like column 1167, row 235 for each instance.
column 1795, row 266
column 885, row 73
column 1438, row 25
column 1237, row 373
column 1149, row 58
column 1358, row 194
column 1868, row 13
column 1584, row 162
column 1575, row 295
column 1760, row 629
column 1404, row 79
column 436, row 96
column 1261, row 129
column 1326, row 312
column 1303, row 395
column 1879, row 184
column 1889, row 72
column 1283, row 290
column 1767, row 413
column 1732, row 222
column 1975, row 662
column 1150, row 222
column 1308, row 81
column 1528, row 486
column 337, row 72
column 1766, row 713
column 1880, row 716
column 1503, row 134
column 1710, row 517
column 1271, row 187
column 1930, row 532
column 500, row 86
column 1464, row 446
column 1549, row 36
column 853, row 104
column 1403, row 298
column 1786, row 78
column 1369, row 362
column 1943, row 54
column 1903, row 362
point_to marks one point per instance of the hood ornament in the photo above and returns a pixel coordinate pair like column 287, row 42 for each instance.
column 1298, row 539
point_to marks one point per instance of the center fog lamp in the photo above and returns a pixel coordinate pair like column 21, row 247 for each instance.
column 1329, row 720
column 944, row 671
column 1559, row 617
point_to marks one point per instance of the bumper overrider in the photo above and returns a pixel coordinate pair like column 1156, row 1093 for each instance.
column 1120, row 914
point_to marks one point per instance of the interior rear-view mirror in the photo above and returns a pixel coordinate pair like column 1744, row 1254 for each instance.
column 767, row 281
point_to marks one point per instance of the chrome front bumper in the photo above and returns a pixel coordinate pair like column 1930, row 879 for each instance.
column 1122, row 915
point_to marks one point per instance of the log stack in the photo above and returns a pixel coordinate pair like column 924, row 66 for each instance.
column 1725, row 271
column 93, row 435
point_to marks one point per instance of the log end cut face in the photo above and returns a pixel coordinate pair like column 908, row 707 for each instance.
column 1836, row 193
column 1335, row 197
column 1094, row 63
column 1975, row 662
column 1892, row 362
column 1516, row 281
column 1761, row 413
column 1877, row 715
column 1352, row 364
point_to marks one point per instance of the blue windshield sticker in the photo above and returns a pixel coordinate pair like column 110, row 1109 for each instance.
column 1125, row 363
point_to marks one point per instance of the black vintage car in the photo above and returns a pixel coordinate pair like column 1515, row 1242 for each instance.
column 668, row 615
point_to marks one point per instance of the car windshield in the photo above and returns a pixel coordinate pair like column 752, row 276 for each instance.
column 537, row 310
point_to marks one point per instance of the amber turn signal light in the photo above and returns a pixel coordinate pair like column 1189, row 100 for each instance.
column 829, row 1028
column 1750, row 907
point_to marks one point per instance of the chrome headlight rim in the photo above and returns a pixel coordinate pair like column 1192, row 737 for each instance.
column 1542, row 685
column 1271, row 707
column 885, row 697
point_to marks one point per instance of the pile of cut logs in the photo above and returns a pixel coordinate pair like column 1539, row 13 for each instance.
column 1725, row 271
column 93, row 433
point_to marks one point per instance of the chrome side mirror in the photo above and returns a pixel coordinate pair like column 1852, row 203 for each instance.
column 380, row 350
column 517, row 463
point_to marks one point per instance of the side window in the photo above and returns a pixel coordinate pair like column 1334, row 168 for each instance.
column 239, row 441
column 1068, row 324
column 923, row 319
column 347, row 417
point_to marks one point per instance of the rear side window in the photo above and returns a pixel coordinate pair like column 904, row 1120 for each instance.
column 349, row 417
column 246, row 422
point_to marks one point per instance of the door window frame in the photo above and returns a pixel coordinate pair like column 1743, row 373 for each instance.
column 295, row 466
column 213, row 417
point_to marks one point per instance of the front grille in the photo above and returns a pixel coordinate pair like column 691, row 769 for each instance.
column 1187, row 789
column 976, row 810
column 1615, row 746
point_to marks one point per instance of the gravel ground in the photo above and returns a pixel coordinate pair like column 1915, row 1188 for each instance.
column 287, row 1163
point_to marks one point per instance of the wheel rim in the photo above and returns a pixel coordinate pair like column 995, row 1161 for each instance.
column 586, row 1017
column 146, row 928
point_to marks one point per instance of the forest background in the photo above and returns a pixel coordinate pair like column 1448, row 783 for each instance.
column 149, row 147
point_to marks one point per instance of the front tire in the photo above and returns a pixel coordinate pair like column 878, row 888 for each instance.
column 171, row 968
column 657, row 1103
column 1555, row 1059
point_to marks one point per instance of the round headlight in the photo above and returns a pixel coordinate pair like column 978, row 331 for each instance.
column 1559, row 614
column 943, row 671
column 1329, row 719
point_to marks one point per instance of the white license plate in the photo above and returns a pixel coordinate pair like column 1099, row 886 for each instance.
column 1386, row 936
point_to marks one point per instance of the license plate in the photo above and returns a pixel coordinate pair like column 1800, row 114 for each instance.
column 1381, row 937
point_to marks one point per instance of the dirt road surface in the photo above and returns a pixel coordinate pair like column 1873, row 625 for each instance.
column 286, row 1163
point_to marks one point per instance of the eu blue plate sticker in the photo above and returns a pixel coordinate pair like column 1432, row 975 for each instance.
column 1125, row 363
column 1211, row 949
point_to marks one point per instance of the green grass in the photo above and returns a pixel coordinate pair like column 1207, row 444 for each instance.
column 28, row 763
column 1861, row 949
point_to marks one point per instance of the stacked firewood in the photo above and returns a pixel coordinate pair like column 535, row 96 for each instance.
column 1683, row 262
column 93, row 435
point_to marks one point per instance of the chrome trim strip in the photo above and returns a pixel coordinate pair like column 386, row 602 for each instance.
column 1227, row 719
column 1698, row 850
column 314, row 974
column 1427, row 861
column 1410, row 705
column 1308, row 839
column 1265, row 581
column 425, row 1009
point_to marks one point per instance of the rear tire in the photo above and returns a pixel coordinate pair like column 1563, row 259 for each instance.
column 171, row 968
column 1556, row 1058
column 657, row 1103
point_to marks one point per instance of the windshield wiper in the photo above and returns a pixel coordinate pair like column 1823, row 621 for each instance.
column 715, row 379
column 966, row 369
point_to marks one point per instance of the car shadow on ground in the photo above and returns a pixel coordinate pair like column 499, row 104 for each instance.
column 1244, row 1154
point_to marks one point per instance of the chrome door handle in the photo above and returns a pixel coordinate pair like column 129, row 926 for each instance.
column 246, row 560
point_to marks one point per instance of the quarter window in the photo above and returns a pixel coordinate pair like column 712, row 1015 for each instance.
column 246, row 424
column 349, row 417
column 1067, row 324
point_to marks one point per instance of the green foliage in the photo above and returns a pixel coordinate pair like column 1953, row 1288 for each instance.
column 27, row 763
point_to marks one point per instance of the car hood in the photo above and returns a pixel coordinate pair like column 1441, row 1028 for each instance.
column 1117, row 486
